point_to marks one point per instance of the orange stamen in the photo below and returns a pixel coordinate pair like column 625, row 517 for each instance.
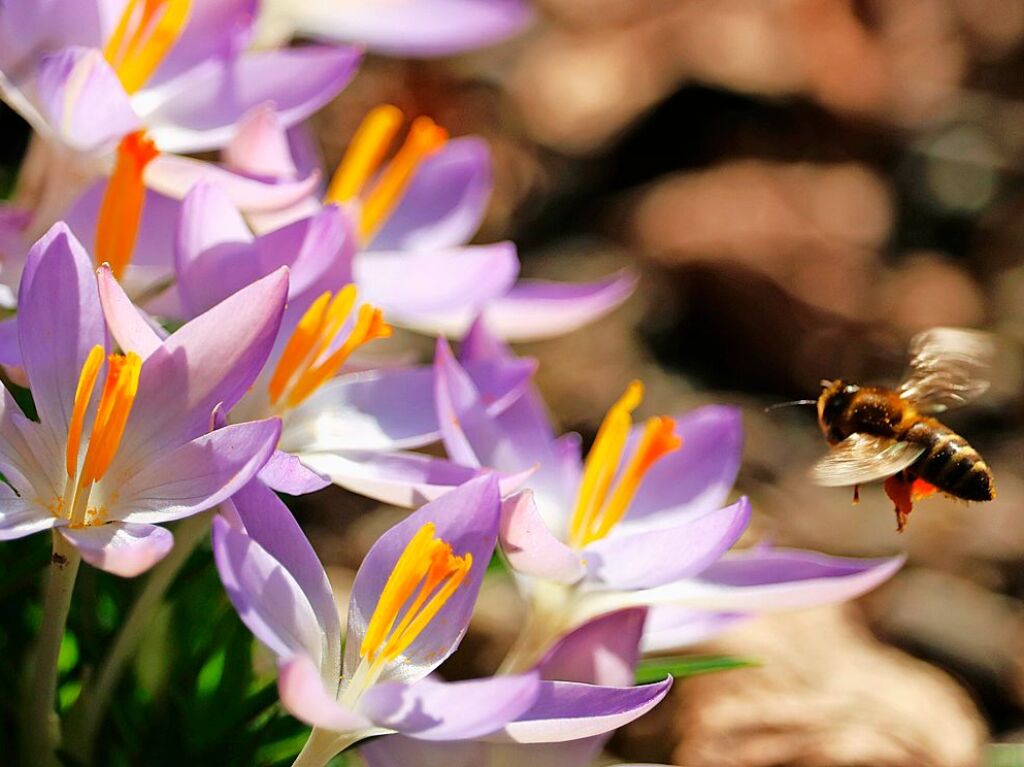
column 117, row 226
column 83, row 394
column 599, row 507
column 116, row 402
column 365, row 153
column 145, row 33
column 426, row 568
column 307, row 362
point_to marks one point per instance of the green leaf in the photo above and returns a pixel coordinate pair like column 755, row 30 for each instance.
column 656, row 669
column 1004, row 755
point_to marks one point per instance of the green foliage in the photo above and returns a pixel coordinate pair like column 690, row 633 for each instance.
column 656, row 669
column 1004, row 755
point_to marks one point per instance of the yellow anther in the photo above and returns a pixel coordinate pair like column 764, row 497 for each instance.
column 425, row 577
column 83, row 394
column 597, row 511
column 117, row 226
column 145, row 33
column 307, row 361
column 116, row 402
column 365, row 153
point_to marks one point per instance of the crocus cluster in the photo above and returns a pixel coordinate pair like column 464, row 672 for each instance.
column 200, row 335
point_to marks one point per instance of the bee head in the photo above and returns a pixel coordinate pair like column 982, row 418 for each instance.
column 833, row 402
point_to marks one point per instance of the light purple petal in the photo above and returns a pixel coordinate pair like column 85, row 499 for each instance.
column 695, row 478
column 266, row 596
column 210, row 361
column 602, row 651
column 772, row 581
column 123, row 549
column 445, row 202
column 215, row 28
column 530, row 547
column 19, row 518
column 193, row 477
column 538, row 309
column 260, row 146
column 127, row 325
column 467, row 519
column 285, row 473
column 401, row 479
column 654, row 556
column 83, row 100
column 59, row 321
column 27, row 28
column 173, row 176
column 304, row 695
column 671, row 628
column 412, row 287
column 569, row 711
column 200, row 111
column 434, row 710
column 269, row 522
column 416, row 27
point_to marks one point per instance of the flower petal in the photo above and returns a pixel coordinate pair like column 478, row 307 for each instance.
column 260, row 145
column 530, row 547
column 651, row 557
column 215, row 28
column 569, row 710
column 697, row 477
column 445, row 202
column 132, row 331
column 124, row 549
column 671, row 628
column 538, row 309
column 467, row 519
column 271, row 525
column 285, row 473
column 193, row 477
column 266, row 596
column 19, row 518
column 414, row 27
column 602, row 651
column 200, row 111
column 83, row 100
column 305, row 697
column 59, row 321
column 434, row 710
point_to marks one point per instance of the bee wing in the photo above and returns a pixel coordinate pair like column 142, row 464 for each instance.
column 862, row 458
column 948, row 367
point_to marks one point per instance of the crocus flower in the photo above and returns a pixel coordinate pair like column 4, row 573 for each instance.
column 640, row 523
column 413, row 218
column 419, row 28
column 87, row 74
column 106, row 463
column 603, row 651
column 410, row 605
column 352, row 423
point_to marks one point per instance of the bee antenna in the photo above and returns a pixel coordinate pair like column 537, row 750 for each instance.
column 790, row 404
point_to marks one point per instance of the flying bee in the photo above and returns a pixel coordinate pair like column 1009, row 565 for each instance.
column 880, row 433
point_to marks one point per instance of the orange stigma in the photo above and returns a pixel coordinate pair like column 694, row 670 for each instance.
column 308, row 360
column 599, row 506
column 145, row 33
column 421, row 583
column 365, row 155
column 117, row 226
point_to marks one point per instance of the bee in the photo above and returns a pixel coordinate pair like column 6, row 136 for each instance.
column 892, row 434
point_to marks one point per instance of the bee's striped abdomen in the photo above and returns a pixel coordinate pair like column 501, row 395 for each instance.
column 949, row 462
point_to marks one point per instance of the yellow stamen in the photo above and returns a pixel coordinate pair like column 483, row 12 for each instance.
column 117, row 226
column 307, row 362
column 426, row 568
column 596, row 511
column 116, row 402
column 83, row 394
column 145, row 33
column 365, row 153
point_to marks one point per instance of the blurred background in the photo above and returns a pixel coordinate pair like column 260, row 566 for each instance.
column 803, row 185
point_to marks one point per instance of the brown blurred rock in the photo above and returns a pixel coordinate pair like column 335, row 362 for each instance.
column 828, row 693
column 926, row 290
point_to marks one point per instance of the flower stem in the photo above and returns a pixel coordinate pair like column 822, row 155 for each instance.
column 546, row 616
column 321, row 747
column 41, row 733
column 87, row 714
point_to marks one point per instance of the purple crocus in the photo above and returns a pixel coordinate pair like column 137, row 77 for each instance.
column 85, row 74
column 410, row 28
column 640, row 523
column 603, row 652
column 107, row 462
column 412, row 220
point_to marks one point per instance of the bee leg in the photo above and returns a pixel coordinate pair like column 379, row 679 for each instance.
column 898, row 488
column 856, row 494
